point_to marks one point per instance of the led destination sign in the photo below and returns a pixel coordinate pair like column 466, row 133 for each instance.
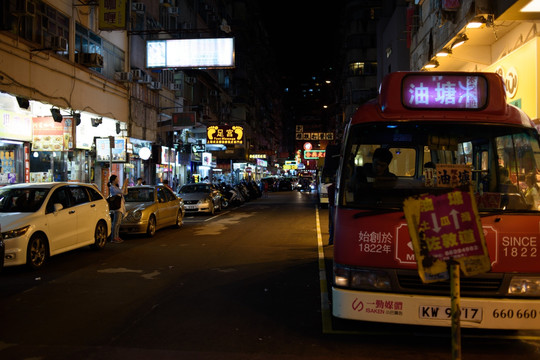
column 444, row 92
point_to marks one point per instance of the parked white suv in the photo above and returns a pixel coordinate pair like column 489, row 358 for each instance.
column 44, row 219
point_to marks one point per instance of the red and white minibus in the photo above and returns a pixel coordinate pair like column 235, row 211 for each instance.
column 442, row 130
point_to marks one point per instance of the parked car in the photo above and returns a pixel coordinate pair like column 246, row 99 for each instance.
column 272, row 182
column 200, row 198
column 150, row 208
column 44, row 219
column 285, row 184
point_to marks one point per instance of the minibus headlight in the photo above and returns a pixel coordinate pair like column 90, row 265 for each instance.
column 341, row 276
column 524, row 286
column 370, row 280
column 361, row 279
column 15, row 233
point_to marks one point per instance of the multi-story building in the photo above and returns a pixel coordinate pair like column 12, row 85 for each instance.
column 79, row 98
column 488, row 36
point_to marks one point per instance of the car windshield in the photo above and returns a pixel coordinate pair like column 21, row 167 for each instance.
column 187, row 189
column 501, row 163
column 138, row 194
column 21, row 199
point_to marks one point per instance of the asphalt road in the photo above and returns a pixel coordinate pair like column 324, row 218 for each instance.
column 248, row 283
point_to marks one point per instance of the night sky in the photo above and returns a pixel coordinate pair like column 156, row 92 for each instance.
column 303, row 34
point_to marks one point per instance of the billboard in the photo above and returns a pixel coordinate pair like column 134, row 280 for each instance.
column 190, row 53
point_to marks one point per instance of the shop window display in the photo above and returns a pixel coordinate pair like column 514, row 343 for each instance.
column 11, row 169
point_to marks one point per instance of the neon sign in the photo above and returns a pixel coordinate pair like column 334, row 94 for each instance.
column 444, row 92
column 224, row 135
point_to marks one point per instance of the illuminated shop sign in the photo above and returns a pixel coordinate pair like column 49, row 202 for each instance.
column 227, row 135
column 444, row 92
column 168, row 155
column 103, row 149
column 314, row 154
column 49, row 135
column 190, row 53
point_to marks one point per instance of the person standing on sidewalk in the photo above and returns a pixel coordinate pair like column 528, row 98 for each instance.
column 117, row 214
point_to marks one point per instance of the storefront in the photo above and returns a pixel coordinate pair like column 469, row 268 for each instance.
column 139, row 152
column 15, row 138
column 41, row 143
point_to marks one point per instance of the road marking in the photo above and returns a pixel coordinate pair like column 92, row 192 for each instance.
column 325, row 303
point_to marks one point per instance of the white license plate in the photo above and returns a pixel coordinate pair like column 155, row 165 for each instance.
column 445, row 313
column 190, row 207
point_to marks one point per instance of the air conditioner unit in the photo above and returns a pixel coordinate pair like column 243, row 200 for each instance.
column 137, row 74
column 156, row 85
column 175, row 11
column 175, row 86
column 91, row 60
column 166, row 76
column 145, row 79
column 59, row 43
column 138, row 7
column 123, row 76
column 24, row 8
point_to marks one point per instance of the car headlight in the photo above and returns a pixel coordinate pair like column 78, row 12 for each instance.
column 15, row 233
column 367, row 279
column 524, row 286
column 204, row 201
column 137, row 215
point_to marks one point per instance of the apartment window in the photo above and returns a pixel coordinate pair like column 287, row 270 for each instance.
column 36, row 22
column 362, row 68
column 88, row 42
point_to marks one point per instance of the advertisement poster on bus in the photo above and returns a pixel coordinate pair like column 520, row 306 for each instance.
column 446, row 228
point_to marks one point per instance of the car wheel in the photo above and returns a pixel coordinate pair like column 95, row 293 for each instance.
column 100, row 236
column 179, row 219
column 151, row 230
column 224, row 203
column 37, row 253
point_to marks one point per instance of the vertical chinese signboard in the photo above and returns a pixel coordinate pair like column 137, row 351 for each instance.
column 446, row 228
column 112, row 14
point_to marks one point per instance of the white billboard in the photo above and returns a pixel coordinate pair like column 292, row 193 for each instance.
column 190, row 53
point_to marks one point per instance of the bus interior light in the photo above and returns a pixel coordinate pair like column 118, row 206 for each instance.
column 526, row 286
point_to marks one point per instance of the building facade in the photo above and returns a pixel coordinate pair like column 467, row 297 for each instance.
column 79, row 100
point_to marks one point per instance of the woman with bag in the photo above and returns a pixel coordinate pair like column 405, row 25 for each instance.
column 117, row 210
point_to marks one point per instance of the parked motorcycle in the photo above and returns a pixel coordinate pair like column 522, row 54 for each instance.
column 231, row 196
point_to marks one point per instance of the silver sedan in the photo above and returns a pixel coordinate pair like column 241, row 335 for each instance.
column 200, row 197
